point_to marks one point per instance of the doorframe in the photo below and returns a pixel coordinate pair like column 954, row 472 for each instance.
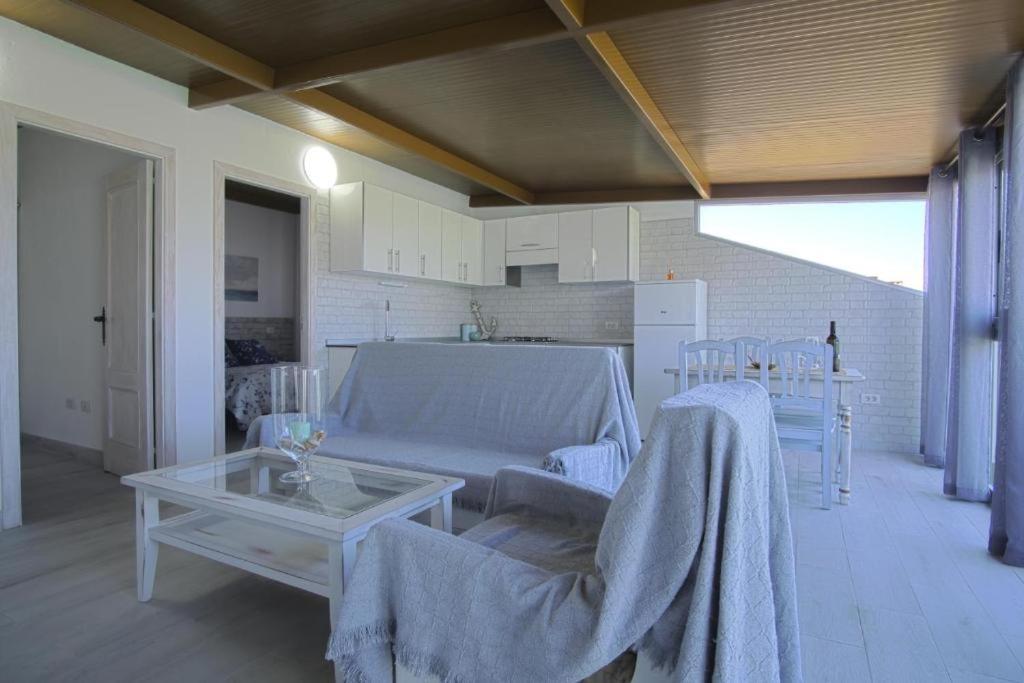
column 161, row 402
column 305, row 277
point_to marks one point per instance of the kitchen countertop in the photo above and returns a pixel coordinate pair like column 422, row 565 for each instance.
column 456, row 340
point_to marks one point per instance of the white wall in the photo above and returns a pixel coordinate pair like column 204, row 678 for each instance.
column 62, row 279
column 750, row 292
column 42, row 73
column 272, row 237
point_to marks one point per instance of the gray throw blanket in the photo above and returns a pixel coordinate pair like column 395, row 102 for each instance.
column 694, row 564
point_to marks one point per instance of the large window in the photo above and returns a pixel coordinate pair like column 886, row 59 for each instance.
column 881, row 239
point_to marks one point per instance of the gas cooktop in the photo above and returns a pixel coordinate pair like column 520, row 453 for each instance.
column 527, row 340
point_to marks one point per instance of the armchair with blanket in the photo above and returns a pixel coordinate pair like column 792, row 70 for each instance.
column 690, row 564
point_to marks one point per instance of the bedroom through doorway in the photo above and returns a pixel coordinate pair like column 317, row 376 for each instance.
column 262, row 295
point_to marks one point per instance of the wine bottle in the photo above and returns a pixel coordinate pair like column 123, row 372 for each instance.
column 833, row 341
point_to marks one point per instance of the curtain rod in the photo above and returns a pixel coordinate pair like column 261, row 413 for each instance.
column 983, row 127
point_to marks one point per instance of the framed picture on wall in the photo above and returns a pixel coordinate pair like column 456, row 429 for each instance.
column 241, row 278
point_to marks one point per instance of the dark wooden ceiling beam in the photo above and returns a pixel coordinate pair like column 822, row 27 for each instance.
column 601, row 50
column 523, row 29
column 904, row 185
column 517, row 30
column 233, row 63
column 183, row 39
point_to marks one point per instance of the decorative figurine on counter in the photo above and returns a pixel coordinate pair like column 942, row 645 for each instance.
column 485, row 331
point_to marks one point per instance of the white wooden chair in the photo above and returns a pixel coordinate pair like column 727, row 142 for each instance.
column 754, row 350
column 805, row 421
column 711, row 361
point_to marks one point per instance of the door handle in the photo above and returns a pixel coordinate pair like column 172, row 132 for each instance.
column 398, row 260
column 423, row 264
column 529, row 244
column 391, row 260
column 102, row 320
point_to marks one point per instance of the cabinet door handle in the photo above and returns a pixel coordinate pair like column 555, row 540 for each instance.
column 391, row 260
column 529, row 244
column 501, row 274
column 423, row 264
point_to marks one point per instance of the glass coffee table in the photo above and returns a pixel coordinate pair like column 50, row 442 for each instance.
column 303, row 535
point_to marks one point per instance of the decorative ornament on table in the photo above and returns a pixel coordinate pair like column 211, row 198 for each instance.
column 485, row 330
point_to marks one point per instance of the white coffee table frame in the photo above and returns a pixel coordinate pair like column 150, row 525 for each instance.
column 339, row 535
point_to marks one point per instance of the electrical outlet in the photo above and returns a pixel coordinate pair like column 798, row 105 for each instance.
column 85, row 406
column 69, row 403
column 611, row 324
column 870, row 399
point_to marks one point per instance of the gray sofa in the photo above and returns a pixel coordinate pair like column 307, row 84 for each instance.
column 468, row 410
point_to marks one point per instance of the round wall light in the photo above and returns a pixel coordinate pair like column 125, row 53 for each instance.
column 319, row 167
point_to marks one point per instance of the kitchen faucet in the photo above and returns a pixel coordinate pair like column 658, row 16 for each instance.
column 388, row 337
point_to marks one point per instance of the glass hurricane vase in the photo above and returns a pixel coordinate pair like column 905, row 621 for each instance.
column 297, row 405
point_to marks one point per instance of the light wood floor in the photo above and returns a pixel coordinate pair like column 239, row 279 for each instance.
column 895, row 587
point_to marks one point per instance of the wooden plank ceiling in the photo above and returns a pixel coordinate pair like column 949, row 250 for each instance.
column 534, row 101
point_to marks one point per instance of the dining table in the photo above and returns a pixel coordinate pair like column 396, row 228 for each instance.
column 842, row 381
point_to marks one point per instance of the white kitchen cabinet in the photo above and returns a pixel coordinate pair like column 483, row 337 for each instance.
column 576, row 246
column 616, row 244
column 429, row 262
column 526, row 233
column 494, row 252
column 377, row 229
column 405, row 235
column 472, row 250
column 602, row 245
column 362, row 223
column 451, row 246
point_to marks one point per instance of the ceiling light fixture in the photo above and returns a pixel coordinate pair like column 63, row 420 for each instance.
column 320, row 169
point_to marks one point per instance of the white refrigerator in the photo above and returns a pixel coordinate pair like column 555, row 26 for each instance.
column 665, row 312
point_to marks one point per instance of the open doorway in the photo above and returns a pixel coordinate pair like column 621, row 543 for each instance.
column 85, row 228
column 264, row 286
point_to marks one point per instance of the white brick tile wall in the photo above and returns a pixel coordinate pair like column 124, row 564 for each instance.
column 754, row 292
column 542, row 306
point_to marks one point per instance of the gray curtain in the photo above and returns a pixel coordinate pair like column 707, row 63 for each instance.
column 969, row 430
column 1006, row 537
column 938, row 274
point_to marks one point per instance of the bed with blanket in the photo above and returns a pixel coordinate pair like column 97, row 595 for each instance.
column 247, row 380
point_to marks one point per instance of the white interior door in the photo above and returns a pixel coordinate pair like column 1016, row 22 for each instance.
column 128, row 428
